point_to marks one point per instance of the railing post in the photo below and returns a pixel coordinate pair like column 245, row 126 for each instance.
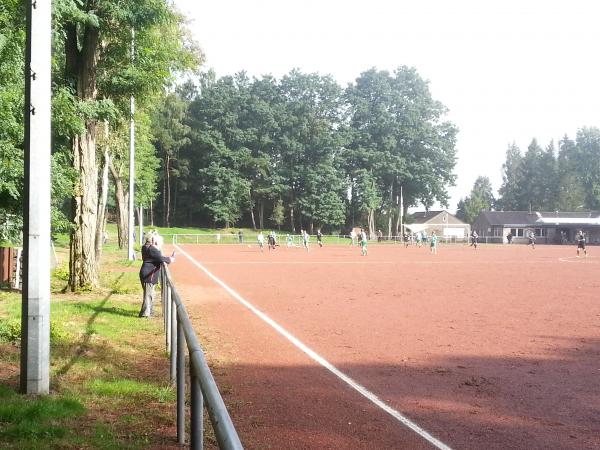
column 180, row 384
column 197, row 412
column 167, row 313
column 173, row 330
column 163, row 303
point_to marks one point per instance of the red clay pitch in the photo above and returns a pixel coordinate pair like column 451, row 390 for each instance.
column 492, row 348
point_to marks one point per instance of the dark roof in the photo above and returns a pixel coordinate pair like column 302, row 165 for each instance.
column 527, row 218
column 424, row 216
column 509, row 217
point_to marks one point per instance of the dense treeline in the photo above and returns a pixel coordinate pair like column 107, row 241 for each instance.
column 301, row 151
column 550, row 179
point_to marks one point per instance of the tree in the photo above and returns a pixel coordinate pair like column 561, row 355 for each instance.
column 308, row 147
column 399, row 136
column 278, row 215
column 94, row 40
column 171, row 134
column 511, row 198
column 588, row 164
column 480, row 199
column 571, row 193
column 225, row 193
column 12, row 60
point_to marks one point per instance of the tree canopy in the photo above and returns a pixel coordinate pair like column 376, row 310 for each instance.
column 304, row 150
column 566, row 179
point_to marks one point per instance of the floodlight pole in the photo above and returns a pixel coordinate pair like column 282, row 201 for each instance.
column 131, row 223
column 141, row 225
column 35, row 318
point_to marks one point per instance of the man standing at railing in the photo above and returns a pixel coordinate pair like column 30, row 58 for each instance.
column 152, row 259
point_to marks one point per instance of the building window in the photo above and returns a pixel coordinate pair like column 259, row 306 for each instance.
column 497, row 231
column 541, row 232
column 517, row 232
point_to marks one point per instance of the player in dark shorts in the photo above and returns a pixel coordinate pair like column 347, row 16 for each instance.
column 271, row 241
column 319, row 238
column 474, row 237
column 532, row 239
column 580, row 238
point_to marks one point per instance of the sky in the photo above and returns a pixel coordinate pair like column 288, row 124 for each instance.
column 508, row 71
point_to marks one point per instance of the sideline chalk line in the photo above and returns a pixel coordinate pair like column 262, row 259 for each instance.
column 322, row 361
column 582, row 258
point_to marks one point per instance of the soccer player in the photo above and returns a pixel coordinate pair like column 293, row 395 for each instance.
column 305, row 238
column 290, row 240
column 352, row 238
column 363, row 242
column 261, row 240
column 433, row 243
column 474, row 237
column 320, row 238
column 418, row 239
column 580, row 238
column 271, row 241
column 532, row 239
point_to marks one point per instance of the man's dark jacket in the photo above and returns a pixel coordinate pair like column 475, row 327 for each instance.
column 152, row 259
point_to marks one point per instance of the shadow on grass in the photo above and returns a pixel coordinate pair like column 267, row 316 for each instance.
column 89, row 332
column 114, row 310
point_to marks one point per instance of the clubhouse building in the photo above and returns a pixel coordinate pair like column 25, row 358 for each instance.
column 442, row 222
column 549, row 227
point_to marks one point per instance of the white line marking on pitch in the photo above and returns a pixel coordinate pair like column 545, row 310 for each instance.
column 299, row 262
column 322, row 361
column 572, row 259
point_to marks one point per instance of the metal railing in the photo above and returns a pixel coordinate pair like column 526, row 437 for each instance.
column 179, row 332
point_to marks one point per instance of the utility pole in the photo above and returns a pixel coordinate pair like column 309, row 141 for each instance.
column 131, row 222
column 35, row 318
column 141, row 225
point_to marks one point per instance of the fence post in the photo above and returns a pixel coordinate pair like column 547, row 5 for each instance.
column 163, row 303
column 180, row 384
column 173, row 330
column 197, row 410
column 168, row 312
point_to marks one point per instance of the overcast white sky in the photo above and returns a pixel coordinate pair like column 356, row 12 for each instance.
column 507, row 70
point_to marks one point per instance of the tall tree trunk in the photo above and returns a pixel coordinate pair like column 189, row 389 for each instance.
column 168, row 199
column 391, row 210
column 252, row 216
column 292, row 225
column 83, row 268
column 175, row 195
column 121, row 200
column 164, row 199
column 100, row 221
column 81, row 59
column 151, row 213
column 261, row 213
column 371, row 223
column 400, row 214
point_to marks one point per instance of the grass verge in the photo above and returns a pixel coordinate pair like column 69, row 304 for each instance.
column 109, row 374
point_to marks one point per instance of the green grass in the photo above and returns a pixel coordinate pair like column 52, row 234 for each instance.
column 25, row 422
column 126, row 388
column 106, row 364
